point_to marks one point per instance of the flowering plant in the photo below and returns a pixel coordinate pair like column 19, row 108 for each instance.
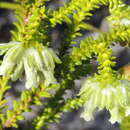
column 30, row 54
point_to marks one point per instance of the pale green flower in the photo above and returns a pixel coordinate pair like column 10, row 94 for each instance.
column 114, row 97
column 37, row 65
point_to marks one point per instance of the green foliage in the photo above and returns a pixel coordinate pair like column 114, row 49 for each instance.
column 49, row 75
column 125, row 125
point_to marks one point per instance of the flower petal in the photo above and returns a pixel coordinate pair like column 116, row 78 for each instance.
column 31, row 75
column 6, row 68
column 48, row 59
column 18, row 71
column 55, row 57
column 49, row 77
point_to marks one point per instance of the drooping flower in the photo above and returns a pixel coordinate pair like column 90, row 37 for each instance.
column 114, row 97
column 37, row 65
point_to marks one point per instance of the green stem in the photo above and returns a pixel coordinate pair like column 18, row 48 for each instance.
column 8, row 5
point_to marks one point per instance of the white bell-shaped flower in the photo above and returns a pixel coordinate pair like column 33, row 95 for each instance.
column 114, row 97
column 38, row 65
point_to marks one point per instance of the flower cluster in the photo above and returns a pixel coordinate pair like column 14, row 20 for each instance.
column 38, row 65
column 114, row 97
